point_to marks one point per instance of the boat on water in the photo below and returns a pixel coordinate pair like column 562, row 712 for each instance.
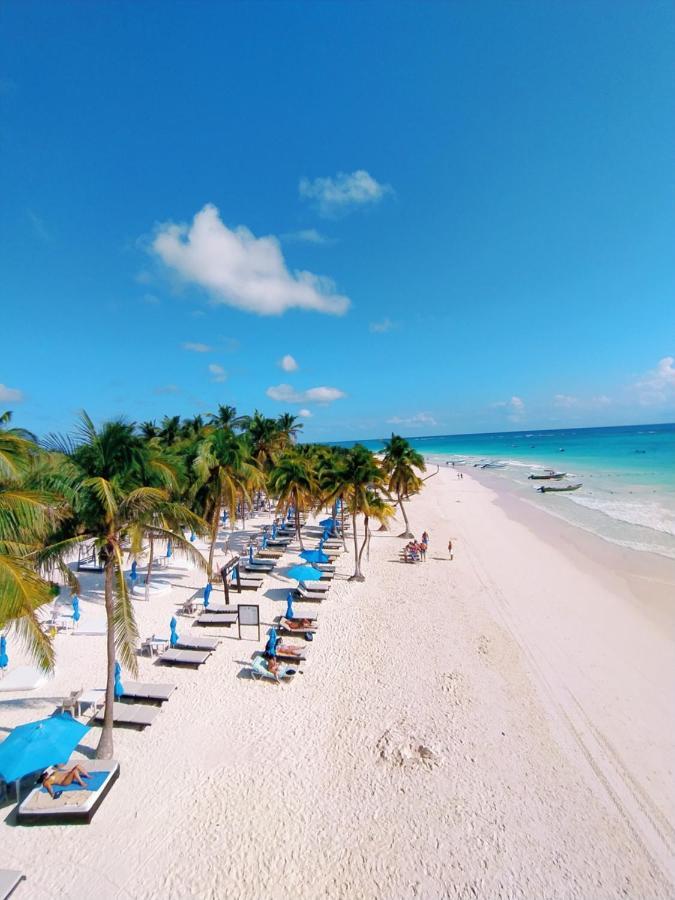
column 558, row 488
column 547, row 475
column 493, row 465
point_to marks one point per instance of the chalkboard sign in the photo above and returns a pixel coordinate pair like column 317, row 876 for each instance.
column 249, row 615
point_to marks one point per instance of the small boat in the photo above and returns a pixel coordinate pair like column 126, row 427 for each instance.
column 547, row 475
column 493, row 465
column 558, row 488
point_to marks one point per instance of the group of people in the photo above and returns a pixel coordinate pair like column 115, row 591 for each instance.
column 414, row 550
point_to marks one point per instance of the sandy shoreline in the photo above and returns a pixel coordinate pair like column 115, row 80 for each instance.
column 495, row 726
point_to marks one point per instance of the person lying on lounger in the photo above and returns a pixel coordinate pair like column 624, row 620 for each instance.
column 300, row 624
column 61, row 776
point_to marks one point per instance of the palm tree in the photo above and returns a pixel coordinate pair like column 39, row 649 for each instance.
column 399, row 462
column 224, row 472
column 227, row 417
column 294, row 482
column 169, row 433
column 265, row 440
column 25, row 516
column 288, row 427
column 6, row 418
column 377, row 508
column 149, row 430
column 361, row 475
column 106, row 478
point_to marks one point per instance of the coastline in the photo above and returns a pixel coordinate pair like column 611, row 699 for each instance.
column 495, row 726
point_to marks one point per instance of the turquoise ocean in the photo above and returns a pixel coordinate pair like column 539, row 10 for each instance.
column 627, row 475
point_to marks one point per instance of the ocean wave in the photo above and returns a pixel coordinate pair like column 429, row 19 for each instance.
column 647, row 514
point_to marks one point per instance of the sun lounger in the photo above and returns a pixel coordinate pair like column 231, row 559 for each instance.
column 292, row 626
column 9, row 881
column 309, row 597
column 259, row 670
column 247, row 584
column 75, row 804
column 24, row 678
column 194, row 658
column 217, row 619
column 259, row 565
column 152, row 692
column 132, row 714
column 221, row 608
column 291, row 652
column 197, row 643
column 314, row 587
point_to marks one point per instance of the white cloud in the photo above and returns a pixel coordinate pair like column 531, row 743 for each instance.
column 515, row 408
column 288, row 363
column 658, row 385
column 305, row 413
column 381, row 327
column 565, row 401
column 421, row 418
column 306, row 236
column 284, row 393
column 195, row 347
column 241, row 270
column 218, row 372
column 343, row 192
column 10, row 395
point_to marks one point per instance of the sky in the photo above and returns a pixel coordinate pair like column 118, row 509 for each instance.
column 428, row 218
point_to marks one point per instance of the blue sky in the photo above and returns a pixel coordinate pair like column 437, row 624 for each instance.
column 451, row 217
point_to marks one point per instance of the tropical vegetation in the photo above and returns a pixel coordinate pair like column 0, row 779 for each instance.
column 119, row 487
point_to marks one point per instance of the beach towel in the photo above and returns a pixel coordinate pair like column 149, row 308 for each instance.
column 93, row 783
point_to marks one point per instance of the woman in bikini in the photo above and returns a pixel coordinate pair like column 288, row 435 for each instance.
column 62, row 776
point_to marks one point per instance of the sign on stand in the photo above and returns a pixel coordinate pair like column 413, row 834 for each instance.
column 249, row 617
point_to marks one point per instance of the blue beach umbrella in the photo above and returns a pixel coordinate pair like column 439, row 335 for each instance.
column 207, row 593
column 134, row 573
column 77, row 615
column 304, row 573
column 314, row 556
column 274, row 531
column 119, row 688
column 192, row 536
column 36, row 745
column 329, row 523
column 264, row 542
column 169, row 549
column 290, row 513
column 271, row 645
column 173, row 640
column 250, row 553
column 4, row 659
column 224, row 517
column 289, row 605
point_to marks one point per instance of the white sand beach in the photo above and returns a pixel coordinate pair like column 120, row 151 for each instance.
column 495, row 726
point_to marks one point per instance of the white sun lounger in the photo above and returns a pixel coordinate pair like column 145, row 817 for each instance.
column 184, row 657
column 283, row 626
column 138, row 690
column 39, row 808
column 218, row 619
column 9, row 881
column 24, row 678
column 130, row 714
column 314, row 587
column 197, row 643
column 309, row 597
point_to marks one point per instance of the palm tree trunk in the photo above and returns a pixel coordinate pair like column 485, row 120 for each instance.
column 298, row 530
column 366, row 535
column 407, row 533
column 214, row 537
column 105, row 744
column 357, row 576
column 148, row 575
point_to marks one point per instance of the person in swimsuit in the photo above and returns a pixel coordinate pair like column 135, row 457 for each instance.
column 61, row 776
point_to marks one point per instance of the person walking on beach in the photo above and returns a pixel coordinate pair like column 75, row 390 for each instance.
column 450, row 548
